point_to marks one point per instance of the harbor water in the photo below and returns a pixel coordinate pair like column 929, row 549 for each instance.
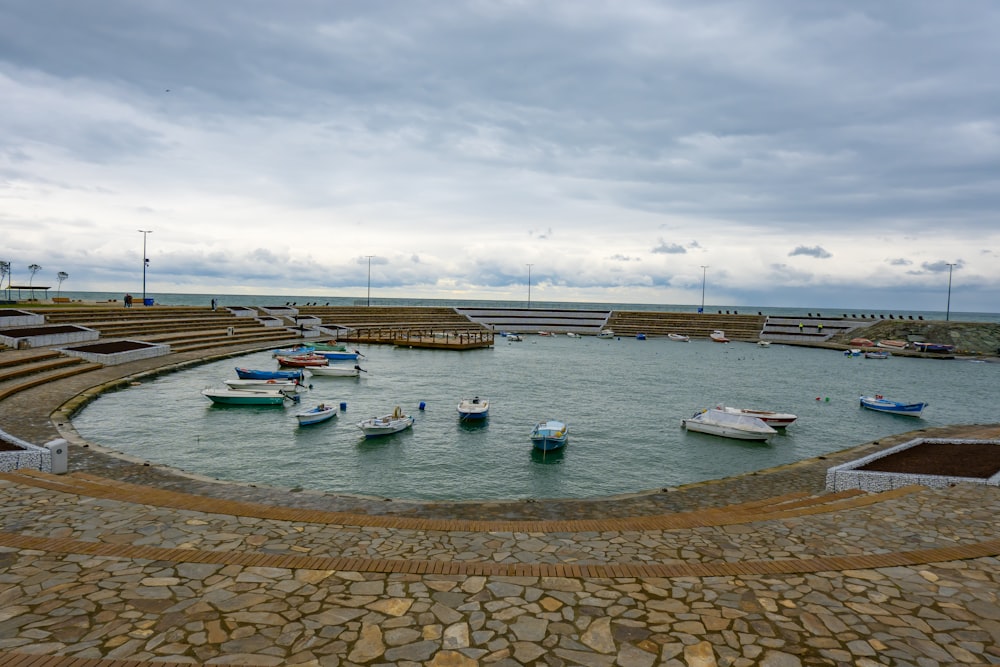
column 623, row 399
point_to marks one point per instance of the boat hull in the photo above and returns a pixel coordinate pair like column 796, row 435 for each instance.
column 377, row 427
column 893, row 407
column 254, row 374
column 335, row 371
column 235, row 397
column 769, row 417
column 730, row 423
column 680, row 338
column 724, row 431
column 473, row 409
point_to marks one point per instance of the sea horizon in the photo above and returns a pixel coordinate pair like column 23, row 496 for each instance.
column 269, row 300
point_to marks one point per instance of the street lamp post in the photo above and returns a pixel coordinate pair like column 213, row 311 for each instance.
column 947, row 312
column 145, row 261
column 529, row 286
column 703, row 270
column 369, row 279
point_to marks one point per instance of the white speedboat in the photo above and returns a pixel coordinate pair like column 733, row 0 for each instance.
column 386, row 425
column 719, row 336
column 316, row 414
column 680, row 338
column 606, row 333
column 772, row 419
column 728, row 425
column 764, row 343
column 473, row 408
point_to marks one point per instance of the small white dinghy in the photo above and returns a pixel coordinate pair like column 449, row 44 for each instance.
column 386, row 425
column 317, row 414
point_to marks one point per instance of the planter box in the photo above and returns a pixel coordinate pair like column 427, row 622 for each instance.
column 117, row 352
column 242, row 311
column 55, row 334
column 26, row 455
column 10, row 318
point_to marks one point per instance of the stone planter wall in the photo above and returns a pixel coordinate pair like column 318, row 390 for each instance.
column 32, row 456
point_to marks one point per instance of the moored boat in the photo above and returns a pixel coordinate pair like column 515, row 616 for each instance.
column 769, row 417
column 514, row 338
column 255, row 374
column 316, row 414
column 680, row 338
column 764, row 343
column 248, row 396
column 606, row 333
column 303, row 361
column 881, row 404
column 339, row 355
column 286, row 384
column 374, row 427
column 337, row 371
column 473, row 408
column 933, row 347
column 877, row 354
column 728, row 425
column 292, row 351
column 719, row 336
column 549, row 435
column 892, row 344
column 862, row 342
column 329, row 346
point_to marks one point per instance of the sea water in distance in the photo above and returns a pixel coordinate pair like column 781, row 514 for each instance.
column 623, row 399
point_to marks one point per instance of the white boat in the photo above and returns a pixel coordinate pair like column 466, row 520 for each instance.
column 549, row 435
column 719, row 336
column 514, row 338
column 249, row 396
column 728, row 425
column 337, row 371
column 316, row 414
column 239, row 383
column 386, row 425
column 606, row 333
column 764, row 343
column 680, row 338
column 473, row 408
column 771, row 418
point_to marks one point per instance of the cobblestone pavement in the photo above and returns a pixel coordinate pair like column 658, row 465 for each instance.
column 121, row 561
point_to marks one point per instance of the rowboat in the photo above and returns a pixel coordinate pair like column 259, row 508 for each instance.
column 719, row 336
column 473, row 408
column 317, row 414
column 303, row 361
column 337, row 371
column 255, row 374
column 680, row 338
column 892, row 344
column 549, row 435
column 728, row 425
column 248, row 396
column 881, row 404
column 772, row 419
column 339, row 355
column 330, row 346
column 386, row 425
column 289, row 384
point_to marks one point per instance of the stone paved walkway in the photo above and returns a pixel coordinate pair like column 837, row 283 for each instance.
column 121, row 563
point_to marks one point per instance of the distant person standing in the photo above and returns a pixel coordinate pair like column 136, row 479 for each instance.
column 128, row 300
column 213, row 304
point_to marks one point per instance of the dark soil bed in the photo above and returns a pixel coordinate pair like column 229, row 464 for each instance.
column 24, row 332
column 9, row 446
column 977, row 460
column 112, row 347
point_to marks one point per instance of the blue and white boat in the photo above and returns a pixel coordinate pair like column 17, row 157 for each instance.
column 338, row 355
column 881, row 404
column 255, row 374
column 549, row 435
column 316, row 414
column 292, row 351
column 471, row 409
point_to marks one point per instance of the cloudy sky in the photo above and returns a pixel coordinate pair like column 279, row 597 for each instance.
column 808, row 154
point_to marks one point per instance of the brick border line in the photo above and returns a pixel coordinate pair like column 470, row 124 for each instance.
column 988, row 548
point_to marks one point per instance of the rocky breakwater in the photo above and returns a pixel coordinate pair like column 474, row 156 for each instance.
column 978, row 339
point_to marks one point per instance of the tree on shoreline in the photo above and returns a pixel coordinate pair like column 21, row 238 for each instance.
column 34, row 268
column 62, row 275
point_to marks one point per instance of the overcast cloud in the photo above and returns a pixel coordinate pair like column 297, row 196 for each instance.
column 807, row 154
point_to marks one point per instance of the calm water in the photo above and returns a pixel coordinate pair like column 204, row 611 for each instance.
column 623, row 399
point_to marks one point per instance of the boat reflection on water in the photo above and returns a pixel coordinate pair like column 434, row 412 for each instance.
column 550, row 457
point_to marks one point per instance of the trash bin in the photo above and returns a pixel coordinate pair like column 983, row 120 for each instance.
column 230, row 331
column 147, row 301
column 59, row 449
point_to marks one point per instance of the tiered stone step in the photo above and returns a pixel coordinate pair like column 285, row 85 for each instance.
column 20, row 370
column 696, row 325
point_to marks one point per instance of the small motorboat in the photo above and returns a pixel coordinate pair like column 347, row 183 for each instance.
column 640, row 336
column 330, row 346
column 317, row 414
column 881, row 404
column 606, row 333
column 939, row 348
column 304, row 361
column 853, row 352
column 877, row 354
column 715, row 421
column 473, row 408
column 337, row 371
column 339, row 355
column 719, row 336
column 544, row 333
column 254, row 374
column 249, row 396
column 386, row 425
column 572, row 334
column 549, row 435
column 680, row 338
column 764, row 343
column 772, row 419
column 292, row 351
column 514, row 338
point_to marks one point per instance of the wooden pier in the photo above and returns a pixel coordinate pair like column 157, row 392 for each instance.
column 424, row 337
